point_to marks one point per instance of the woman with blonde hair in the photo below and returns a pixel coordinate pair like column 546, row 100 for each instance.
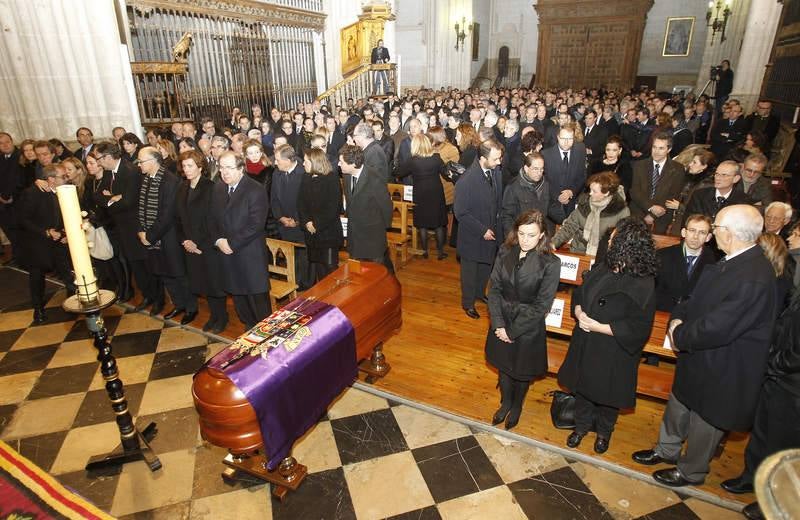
column 430, row 213
column 318, row 208
column 778, row 255
column 27, row 162
column 448, row 153
column 168, row 155
column 76, row 175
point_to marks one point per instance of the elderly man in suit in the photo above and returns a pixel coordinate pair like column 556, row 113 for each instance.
column 709, row 201
column 721, row 335
column 283, row 201
column 754, row 184
column 478, row 201
column 565, row 164
column 368, row 206
column 240, row 206
column 374, row 155
column 680, row 265
column 10, row 184
column 655, row 181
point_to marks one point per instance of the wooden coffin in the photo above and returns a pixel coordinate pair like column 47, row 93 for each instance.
column 365, row 292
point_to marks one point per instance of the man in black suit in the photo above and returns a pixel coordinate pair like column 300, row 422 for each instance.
column 10, row 184
column 386, row 142
column 286, row 182
column 754, row 184
column 120, row 194
column 655, row 181
column 85, row 137
column 380, row 55
column 42, row 238
column 721, row 335
column 374, row 156
column 764, row 121
column 727, row 133
column 565, row 169
column 240, row 206
column 609, row 122
column 478, row 200
column 709, row 201
column 594, row 135
column 543, row 124
column 336, row 139
column 680, row 265
column 368, row 207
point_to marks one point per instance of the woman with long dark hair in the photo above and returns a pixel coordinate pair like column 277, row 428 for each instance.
column 130, row 145
column 524, row 281
column 614, row 310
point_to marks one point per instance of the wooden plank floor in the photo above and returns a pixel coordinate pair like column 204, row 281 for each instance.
column 437, row 359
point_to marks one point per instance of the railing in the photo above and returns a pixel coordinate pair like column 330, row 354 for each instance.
column 358, row 85
column 509, row 77
column 162, row 92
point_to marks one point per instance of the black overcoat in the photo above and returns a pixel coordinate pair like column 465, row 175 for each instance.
column 123, row 213
column 429, row 207
column 519, row 300
column 168, row 258
column 320, row 202
column 369, row 214
column 205, row 271
column 240, row 219
column 38, row 211
column 605, row 368
column 673, row 283
column 477, row 208
column 724, row 340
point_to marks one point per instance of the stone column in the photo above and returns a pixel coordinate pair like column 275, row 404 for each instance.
column 762, row 23
column 729, row 49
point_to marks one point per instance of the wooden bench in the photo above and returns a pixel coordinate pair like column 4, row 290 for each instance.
column 398, row 236
column 286, row 285
column 397, row 193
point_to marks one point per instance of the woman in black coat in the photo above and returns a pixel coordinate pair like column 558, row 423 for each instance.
column 614, row 310
column 203, row 259
column 430, row 211
column 319, row 209
column 613, row 161
column 523, row 284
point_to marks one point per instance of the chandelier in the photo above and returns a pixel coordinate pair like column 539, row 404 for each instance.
column 720, row 11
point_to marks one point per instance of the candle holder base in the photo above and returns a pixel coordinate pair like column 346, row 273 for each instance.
column 134, row 445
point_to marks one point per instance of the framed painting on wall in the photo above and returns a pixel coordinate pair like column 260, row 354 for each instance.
column 678, row 36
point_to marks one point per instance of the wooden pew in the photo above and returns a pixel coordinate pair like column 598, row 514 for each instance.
column 286, row 285
column 397, row 192
column 398, row 235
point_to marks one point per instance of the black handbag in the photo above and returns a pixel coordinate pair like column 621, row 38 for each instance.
column 562, row 410
column 453, row 171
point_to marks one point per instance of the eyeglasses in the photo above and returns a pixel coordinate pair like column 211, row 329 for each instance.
column 698, row 232
column 753, row 170
column 99, row 157
column 142, row 161
column 722, row 174
column 715, row 227
column 566, row 138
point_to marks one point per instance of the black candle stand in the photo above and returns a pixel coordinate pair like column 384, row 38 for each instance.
column 134, row 444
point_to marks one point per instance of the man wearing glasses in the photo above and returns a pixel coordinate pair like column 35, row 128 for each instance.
column 754, row 184
column 655, row 181
column 709, row 201
column 721, row 335
column 565, row 164
column 680, row 265
column 239, row 205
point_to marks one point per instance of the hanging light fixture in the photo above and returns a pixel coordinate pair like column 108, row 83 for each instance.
column 720, row 12
column 461, row 31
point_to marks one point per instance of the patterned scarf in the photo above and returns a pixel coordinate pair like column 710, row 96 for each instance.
column 149, row 195
column 591, row 229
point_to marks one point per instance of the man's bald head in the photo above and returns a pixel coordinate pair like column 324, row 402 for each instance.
column 737, row 227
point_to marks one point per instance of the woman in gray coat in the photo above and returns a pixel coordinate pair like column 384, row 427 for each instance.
column 523, row 284
column 595, row 213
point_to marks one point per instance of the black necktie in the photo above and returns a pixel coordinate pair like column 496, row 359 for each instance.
column 353, row 182
column 230, row 192
column 565, row 160
column 488, row 174
column 720, row 202
column 690, row 259
column 655, row 179
column 730, row 123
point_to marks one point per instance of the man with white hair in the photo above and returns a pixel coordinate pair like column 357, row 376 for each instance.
column 374, row 157
column 777, row 217
column 721, row 335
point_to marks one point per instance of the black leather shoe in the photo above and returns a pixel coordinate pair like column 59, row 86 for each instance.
column 218, row 328
column 650, row 458
column 145, row 304
column 513, row 419
column 442, row 256
column 673, row 478
column 600, row 445
column 210, row 324
column 574, row 439
column 188, row 318
column 171, row 314
column 500, row 415
column 39, row 316
column 484, row 299
column 737, row 486
column 753, row 512
column 156, row 309
column 472, row 313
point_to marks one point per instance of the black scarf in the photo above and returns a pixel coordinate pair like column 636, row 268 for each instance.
column 149, row 195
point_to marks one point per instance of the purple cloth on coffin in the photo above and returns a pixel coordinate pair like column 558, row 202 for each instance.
column 311, row 359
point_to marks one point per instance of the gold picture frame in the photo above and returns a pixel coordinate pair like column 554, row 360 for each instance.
column 678, row 37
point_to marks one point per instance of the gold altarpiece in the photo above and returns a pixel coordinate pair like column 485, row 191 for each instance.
column 358, row 39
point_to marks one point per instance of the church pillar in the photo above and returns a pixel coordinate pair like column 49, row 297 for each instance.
column 717, row 50
column 762, row 22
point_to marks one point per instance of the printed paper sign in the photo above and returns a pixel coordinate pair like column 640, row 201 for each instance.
column 556, row 314
column 569, row 267
column 344, row 225
column 408, row 193
column 667, row 342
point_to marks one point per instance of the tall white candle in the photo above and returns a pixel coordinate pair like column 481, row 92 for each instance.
column 76, row 239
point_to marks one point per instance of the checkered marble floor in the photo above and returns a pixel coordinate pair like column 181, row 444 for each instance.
column 368, row 458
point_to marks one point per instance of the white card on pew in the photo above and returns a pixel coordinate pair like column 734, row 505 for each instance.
column 667, row 342
column 344, row 226
column 556, row 314
column 569, row 267
column 408, row 193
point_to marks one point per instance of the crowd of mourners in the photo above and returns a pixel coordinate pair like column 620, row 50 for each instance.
column 495, row 173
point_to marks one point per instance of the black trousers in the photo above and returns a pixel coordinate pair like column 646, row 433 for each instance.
column 252, row 308
column 216, row 305
column 776, row 426
column 474, row 277
column 178, row 289
column 146, row 282
column 593, row 416
column 36, row 283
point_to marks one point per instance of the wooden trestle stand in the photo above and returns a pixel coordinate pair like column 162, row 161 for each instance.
column 370, row 298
